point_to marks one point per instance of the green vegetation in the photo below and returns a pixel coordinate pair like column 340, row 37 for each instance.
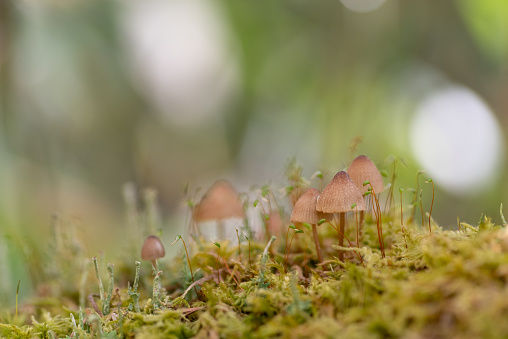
column 444, row 283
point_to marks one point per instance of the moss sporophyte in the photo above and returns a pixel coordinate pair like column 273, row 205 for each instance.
column 397, row 280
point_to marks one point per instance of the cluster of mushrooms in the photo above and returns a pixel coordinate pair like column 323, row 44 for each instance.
column 345, row 193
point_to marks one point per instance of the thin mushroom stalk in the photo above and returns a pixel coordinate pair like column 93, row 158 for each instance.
column 342, row 227
column 338, row 197
column 353, row 207
column 305, row 212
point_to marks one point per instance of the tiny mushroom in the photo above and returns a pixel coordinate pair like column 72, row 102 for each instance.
column 338, row 197
column 152, row 250
column 363, row 169
column 220, row 202
column 305, row 212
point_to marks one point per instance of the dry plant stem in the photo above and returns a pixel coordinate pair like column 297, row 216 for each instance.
column 391, row 197
column 239, row 249
column 431, row 205
column 218, row 265
column 421, row 209
column 415, row 195
column 286, row 247
column 357, row 228
column 17, row 292
column 350, row 245
column 402, row 220
column 231, row 274
column 289, row 249
column 101, row 287
column 250, row 265
column 197, row 282
column 379, row 222
column 360, row 225
column 188, row 262
column 316, row 242
column 94, row 304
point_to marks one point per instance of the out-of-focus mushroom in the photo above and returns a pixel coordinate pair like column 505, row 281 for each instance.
column 363, row 169
column 219, row 203
column 338, row 197
column 305, row 212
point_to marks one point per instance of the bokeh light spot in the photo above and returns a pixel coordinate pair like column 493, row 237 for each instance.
column 457, row 139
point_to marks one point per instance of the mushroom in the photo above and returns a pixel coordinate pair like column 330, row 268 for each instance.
column 274, row 223
column 220, row 202
column 363, row 169
column 305, row 212
column 152, row 250
column 338, row 197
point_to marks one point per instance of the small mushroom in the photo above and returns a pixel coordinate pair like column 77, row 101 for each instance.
column 305, row 212
column 152, row 250
column 338, row 197
column 363, row 169
column 219, row 203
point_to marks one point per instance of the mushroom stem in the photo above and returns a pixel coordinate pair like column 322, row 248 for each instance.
column 342, row 228
column 316, row 242
column 221, row 231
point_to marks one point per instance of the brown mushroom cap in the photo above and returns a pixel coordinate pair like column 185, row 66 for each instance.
column 339, row 195
column 305, row 208
column 152, row 249
column 363, row 169
column 219, row 202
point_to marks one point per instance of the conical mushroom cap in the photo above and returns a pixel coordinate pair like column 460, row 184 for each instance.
column 363, row 169
column 152, row 249
column 305, row 208
column 219, row 202
column 339, row 195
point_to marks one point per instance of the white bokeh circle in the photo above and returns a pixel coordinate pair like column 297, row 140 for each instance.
column 457, row 140
column 181, row 55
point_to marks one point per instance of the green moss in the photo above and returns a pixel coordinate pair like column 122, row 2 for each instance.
column 445, row 284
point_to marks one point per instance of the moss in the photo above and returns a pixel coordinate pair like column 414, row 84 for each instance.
column 442, row 284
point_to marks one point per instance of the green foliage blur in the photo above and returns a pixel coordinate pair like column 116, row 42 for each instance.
column 92, row 96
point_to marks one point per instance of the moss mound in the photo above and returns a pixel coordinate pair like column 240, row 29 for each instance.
column 449, row 284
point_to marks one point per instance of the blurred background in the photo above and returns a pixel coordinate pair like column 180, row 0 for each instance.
column 164, row 93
